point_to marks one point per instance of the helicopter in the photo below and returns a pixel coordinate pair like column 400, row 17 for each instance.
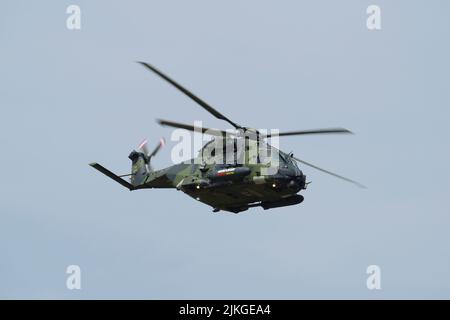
column 246, row 180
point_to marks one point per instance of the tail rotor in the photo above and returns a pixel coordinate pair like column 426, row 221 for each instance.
column 140, row 161
column 143, row 146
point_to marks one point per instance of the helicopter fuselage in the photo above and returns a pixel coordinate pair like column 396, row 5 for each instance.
column 232, row 187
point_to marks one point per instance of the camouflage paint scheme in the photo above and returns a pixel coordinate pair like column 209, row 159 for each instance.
column 230, row 187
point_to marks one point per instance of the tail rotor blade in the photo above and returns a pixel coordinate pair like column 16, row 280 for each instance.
column 162, row 143
column 143, row 146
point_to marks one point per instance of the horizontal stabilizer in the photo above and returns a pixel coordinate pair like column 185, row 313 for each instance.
column 113, row 176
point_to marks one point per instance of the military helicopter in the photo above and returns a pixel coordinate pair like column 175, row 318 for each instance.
column 234, row 186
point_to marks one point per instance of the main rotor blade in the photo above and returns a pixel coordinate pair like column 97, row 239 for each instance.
column 191, row 127
column 331, row 173
column 202, row 103
column 314, row 131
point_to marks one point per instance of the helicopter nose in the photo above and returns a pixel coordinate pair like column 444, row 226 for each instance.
column 301, row 180
column 293, row 184
column 298, row 182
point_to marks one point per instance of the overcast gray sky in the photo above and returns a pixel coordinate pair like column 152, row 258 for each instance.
column 72, row 97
